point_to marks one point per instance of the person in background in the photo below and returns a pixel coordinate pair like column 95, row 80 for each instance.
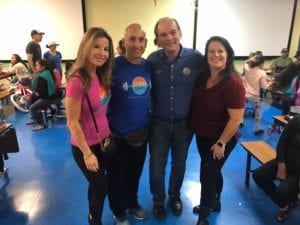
column 217, row 111
column 174, row 73
column 90, row 77
column 120, row 48
column 281, row 62
column 57, row 75
column 43, row 92
column 285, row 168
column 33, row 50
column 255, row 79
column 297, row 56
column 285, row 82
column 128, row 113
column 17, row 66
column 54, row 55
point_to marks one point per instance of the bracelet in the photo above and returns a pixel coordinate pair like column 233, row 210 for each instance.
column 87, row 156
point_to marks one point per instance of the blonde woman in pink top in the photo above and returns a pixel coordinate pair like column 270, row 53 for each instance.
column 90, row 76
column 255, row 79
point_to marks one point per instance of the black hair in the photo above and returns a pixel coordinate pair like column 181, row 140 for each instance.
column 256, row 60
column 229, row 68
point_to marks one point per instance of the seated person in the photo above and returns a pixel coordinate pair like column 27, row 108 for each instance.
column 43, row 92
column 281, row 62
column 284, row 82
column 285, row 168
column 17, row 66
column 255, row 79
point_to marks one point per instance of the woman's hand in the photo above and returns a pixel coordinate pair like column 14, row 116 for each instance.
column 218, row 152
column 91, row 162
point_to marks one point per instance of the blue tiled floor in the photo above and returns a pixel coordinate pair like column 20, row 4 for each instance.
column 46, row 188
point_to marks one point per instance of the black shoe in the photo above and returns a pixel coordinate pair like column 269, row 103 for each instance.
column 259, row 132
column 216, row 208
column 159, row 212
column 176, row 205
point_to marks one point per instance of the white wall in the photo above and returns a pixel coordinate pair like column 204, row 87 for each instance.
column 61, row 20
column 248, row 25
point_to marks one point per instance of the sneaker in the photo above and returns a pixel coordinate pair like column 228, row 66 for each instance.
column 138, row 213
column 159, row 212
column 176, row 205
column 122, row 222
column 259, row 132
column 283, row 214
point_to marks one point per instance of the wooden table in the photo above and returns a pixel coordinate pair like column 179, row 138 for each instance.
column 4, row 94
column 261, row 151
column 280, row 120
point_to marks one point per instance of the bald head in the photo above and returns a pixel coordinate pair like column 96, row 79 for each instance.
column 135, row 42
column 133, row 28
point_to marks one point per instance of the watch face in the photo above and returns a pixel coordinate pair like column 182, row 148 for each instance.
column 220, row 144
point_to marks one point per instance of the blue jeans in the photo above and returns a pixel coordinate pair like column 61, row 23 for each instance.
column 36, row 106
column 164, row 136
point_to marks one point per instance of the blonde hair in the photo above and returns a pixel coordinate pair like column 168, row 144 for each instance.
column 81, row 62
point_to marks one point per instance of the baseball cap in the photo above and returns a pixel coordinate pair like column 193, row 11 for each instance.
column 34, row 32
column 51, row 44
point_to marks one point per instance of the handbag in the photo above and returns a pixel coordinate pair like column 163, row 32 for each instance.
column 137, row 138
column 9, row 141
column 108, row 145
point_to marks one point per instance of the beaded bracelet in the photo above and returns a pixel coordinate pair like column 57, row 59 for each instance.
column 88, row 156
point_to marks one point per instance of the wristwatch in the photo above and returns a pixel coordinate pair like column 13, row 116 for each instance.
column 220, row 144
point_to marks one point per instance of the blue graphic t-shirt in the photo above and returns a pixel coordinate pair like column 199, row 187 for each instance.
column 128, row 108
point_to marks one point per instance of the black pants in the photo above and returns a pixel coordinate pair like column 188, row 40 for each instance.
column 124, row 171
column 211, row 177
column 282, row 194
column 97, row 188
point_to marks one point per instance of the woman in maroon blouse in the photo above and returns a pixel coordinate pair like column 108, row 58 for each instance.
column 217, row 110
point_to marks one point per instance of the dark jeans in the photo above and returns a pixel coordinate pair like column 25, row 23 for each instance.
column 211, row 177
column 35, row 108
column 166, row 135
column 97, row 188
column 124, row 172
column 282, row 194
